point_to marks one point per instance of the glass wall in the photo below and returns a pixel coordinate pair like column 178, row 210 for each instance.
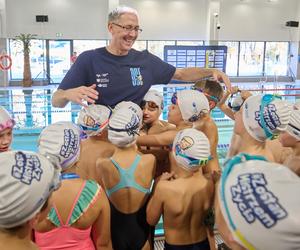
column 140, row 45
column 276, row 58
column 190, row 43
column 37, row 58
column 59, row 59
column 232, row 57
column 157, row 47
column 251, row 58
column 82, row 45
column 243, row 58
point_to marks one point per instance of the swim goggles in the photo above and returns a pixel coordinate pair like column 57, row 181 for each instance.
column 212, row 97
column 231, row 100
column 96, row 126
column 8, row 124
column 193, row 161
column 131, row 129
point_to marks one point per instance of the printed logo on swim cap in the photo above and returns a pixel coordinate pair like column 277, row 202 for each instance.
column 270, row 117
column 133, row 125
column 133, row 109
column 26, row 168
column 185, row 143
column 255, row 201
column 196, row 114
column 71, row 142
column 89, row 121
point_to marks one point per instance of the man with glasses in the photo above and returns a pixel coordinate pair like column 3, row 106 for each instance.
column 117, row 72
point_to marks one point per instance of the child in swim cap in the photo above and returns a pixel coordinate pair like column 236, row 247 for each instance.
column 254, row 206
column 6, row 126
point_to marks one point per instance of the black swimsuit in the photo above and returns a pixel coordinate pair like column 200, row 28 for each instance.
column 129, row 231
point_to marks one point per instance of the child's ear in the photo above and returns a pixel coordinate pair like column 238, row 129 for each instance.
column 32, row 222
column 212, row 104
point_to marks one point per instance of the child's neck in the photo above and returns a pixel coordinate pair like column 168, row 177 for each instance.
column 19, row 239
column 182, row 173
column 101, row 137
column 251, row 146
column 183, row 124
column 132, row 148
column 296, row 149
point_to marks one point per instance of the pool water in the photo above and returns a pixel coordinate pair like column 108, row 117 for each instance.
column 29, row 141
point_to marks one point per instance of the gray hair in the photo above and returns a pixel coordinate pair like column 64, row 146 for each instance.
column 115, row 14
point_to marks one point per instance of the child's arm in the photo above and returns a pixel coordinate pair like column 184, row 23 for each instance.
column 210, row 202
column 162, row 139
column 211, row 131
column 224, row 107
column 155, row 205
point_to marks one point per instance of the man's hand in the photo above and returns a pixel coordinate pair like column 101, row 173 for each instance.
column 81, row 94
column 218, row 75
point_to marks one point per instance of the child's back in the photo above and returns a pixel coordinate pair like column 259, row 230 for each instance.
column 185, row 208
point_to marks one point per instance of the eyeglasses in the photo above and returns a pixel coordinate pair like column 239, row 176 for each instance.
column 265, row 101
column 8, row 124
column 129, row 28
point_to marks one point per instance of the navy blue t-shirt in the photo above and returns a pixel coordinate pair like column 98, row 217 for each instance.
column 118, row 78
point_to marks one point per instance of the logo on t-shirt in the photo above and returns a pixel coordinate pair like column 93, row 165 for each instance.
column 102, row 80
column 136, row 77
column 255, row 201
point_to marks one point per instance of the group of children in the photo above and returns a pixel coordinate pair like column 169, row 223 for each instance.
column 104, row 182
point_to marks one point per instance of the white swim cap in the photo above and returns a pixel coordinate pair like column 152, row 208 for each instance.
column 293, row 127
column 5, row 119
column 61, row 142
column 132, row 106
column 191, row 104
column 257, row 205
column 124, row 125
column 154, row 96
column 94, row 119
column 191, row 149
column 236, row 102
column 26, row 181
column 265, row 116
